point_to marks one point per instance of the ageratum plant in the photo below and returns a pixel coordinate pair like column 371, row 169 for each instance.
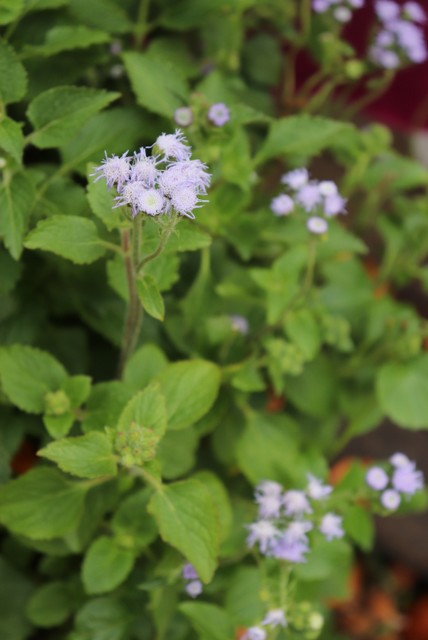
column 194, row 318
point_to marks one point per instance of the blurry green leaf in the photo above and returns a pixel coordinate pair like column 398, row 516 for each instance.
column 11, row 138
column 143, row 366
column 106, row 565
column 27, row 375
column 13, row 77
column 150, row 297
column 101, row 14
column 71, row 237
column 177, row 452
column 157, row 85
column 131, row 520
column 15, row 590
column 66, row 38
column 220, row 499
column 302, row 328
column 402, row 391
column 105, row 404
column 16, row 201
column 104, row 619
column 209, row 621
column 186, row 520
column 10, row 10
column 146, row 409
column 88, row 456
column 42, row 504
column 358, row 524
column 50, row 605
column 59, row 113
column 242, row 596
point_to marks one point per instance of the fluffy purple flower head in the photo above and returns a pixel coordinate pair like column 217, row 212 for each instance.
column 334, row 204
column 407, row 479
column 296, row 503
column 291, row 550
column 114, row 170
column 390, row 499
column 172, row 146
column 327, row 188
column 317, row 225
column 316, row 489
column 342, row 14
column 320, row 6
column 282, row 205
column 130, row 195
column 414, row 11
column 384, row 58
column 297, row 530
column 275, row 618
column 184, row 199
column 151, row 201
column 331, row 526
column 183, row 116
column 399, row 460
column 218, row 114
column 189, row 572
column 255, row 633
column 269, row 488
column 377, row 478
column 144, row 169
column 387, row 10
column 269, row 506
column 194, row 588
column 262, row 532
column 309, row 196
column 295, row 179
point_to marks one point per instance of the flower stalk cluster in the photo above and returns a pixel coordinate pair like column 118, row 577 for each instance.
column 400, row 39
column 318, row 200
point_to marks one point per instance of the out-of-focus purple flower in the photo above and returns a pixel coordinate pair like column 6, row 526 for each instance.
column 239, row 324
column 309, row 196
column 130, row 195
column 384, row 58
column 291, row 550
column 255, row 633
column 316, row 489
column 320, row 6
column 399, row 460
column 194, row 588
column 114, row 170
column 297, row 530
column 327, row 188
column 183, row 116
column 172, row 146
column 342, row 14
column 295, row 179
column 275, row 618
column 387, row 10
column 218, row 114
column 269, row 506
column 116, row 48
column 331, row 526
column 334, row 204
column 407, row 479
column 317, row 225
column 262, row 532
column 296, row 503
column 282, row 205
column 377, row 478
column 415, row 12
column 189, row 572
column 390, row 499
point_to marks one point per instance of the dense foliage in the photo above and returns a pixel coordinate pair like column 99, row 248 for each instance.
column 170, row 347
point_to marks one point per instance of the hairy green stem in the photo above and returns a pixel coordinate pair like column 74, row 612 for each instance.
column 166, row 233
column 131, row 242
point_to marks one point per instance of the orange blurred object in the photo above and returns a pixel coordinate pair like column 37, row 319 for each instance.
column 417, row 621
column 274, row 403
column 24, row 458
column 340, row 468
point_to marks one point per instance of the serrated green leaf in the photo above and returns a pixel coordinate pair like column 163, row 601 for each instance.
column 104, row 619
column 41, row 504
column 220, row 499
column 50, row 605
column 59, row 426
column 59, row 113
column 301, row 136
column 66, row 38
column 131, row 520
column 106, row 566
column 11, row 138
column 157, row 85
column 13, row 77
column 402, row 391
column 70, row 237
column 209, row 621
column 190, row 388
column 186, row 520
column 16, row 201
column 188, row 237
column 10, row 10
column 303, row 329
column 27, row 375
column 150, row 296
column 88, row 456
column 77, row 389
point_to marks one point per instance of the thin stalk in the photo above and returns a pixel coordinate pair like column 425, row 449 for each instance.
column 141, row 26
column 369, row 97
column 166, row 233
column 131, row 243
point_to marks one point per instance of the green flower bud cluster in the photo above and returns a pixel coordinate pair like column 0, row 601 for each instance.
column 307, row 620
column 57, row 403
column 136, row 445
column 336, row 332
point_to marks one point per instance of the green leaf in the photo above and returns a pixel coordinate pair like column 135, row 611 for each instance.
column 67, row 38
column 242, row 597
column 42, row 504
column 27, row 375
column 50, row 605
column 40, row 5
column 143, row 366
column 302, row 136
column 106, row 566
column 268, row 448
column 177, row 452
column 10, row 10
column 77, row 389
column 156, row 83
column 220, row 499
column 150, row 297
column 59, row 113
column 101, row 14
column 71, row 237
column 303, row 329
column 146, row 409
column 188, row 237
column 59, row 426
column 16, row 201
column 186, row 520
column 402, row 391
column 209, row 621
column 190, row 388
column 105, row 404
column 13, row 78
column 358, row 524
column 101, row 202
column 10, row 271
column 131, row 520
column 15, row 590
column 104, row 619
column 11, row 138
column 88, row 456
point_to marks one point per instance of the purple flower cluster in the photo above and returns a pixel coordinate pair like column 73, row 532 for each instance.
column 340, row 9
column 286, row 517
column 160, row 183
column 193, row 584
column 218, row 114
column 273, row 618
column 319, row 199
column 400, row 39
column 402, row 478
